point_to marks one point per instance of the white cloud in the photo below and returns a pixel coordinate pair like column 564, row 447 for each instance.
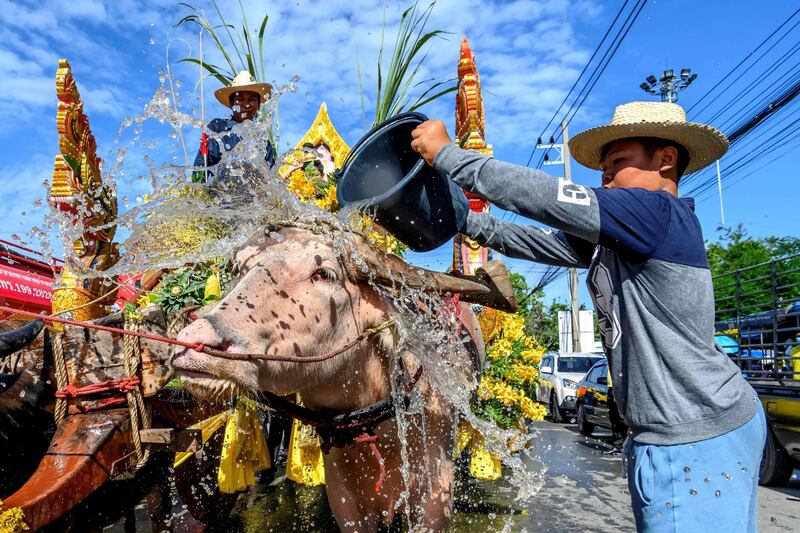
column 527, row 52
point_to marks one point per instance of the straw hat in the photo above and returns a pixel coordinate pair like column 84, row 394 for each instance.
column 244, row 81
column 662, row 120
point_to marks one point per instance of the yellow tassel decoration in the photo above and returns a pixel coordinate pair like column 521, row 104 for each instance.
column 484, row 464
column 244, row 449
column 304, row 463
column 208, row 427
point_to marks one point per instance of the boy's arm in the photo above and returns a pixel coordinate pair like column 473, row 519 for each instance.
column 529, row 192
column 630, row 221
column 527, row 242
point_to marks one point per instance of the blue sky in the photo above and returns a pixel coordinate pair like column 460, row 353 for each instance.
column 528, row 53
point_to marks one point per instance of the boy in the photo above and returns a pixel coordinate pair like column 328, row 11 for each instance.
column 696, row 426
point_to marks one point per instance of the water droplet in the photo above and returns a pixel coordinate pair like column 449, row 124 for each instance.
column 718, row 493
column 686, row 469
column 687, row 480
column 693, row 492
column 669, row 504
column 707, row 480
column 151, row 41
column 744, row 469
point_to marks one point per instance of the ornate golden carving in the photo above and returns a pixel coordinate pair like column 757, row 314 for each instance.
column 321, row 137
column 470, row 119
column 471, row 135
column 77, row 188
column 322, row 133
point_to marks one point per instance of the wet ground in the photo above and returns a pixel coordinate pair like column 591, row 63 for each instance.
column 583, row 491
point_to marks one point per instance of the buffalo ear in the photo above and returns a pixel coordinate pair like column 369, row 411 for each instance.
column 389, row 270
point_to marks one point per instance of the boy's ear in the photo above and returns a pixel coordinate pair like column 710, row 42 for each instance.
column 668, row 160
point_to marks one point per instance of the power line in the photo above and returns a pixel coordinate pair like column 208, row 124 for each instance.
column 596, row 49
column 734, row 69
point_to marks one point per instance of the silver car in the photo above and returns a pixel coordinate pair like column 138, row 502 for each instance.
column 559, row 374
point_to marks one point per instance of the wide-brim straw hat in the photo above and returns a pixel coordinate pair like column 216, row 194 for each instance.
column 244, row 81
column 662, row 120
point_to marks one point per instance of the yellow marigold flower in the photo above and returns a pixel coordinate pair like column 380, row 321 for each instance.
column 525, row 373
column 501, row 348
column 513, row 327
column 531, row 409
column 330, row 199
column 532, row 356
column 484, row 393
column 301, row 185
column 505, row 394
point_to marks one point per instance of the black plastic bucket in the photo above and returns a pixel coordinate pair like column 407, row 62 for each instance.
column 389, row 181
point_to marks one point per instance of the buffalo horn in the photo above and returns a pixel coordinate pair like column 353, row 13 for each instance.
column 387, row 269
column 11, row 341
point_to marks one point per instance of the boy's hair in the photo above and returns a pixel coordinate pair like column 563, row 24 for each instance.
column 651, row 144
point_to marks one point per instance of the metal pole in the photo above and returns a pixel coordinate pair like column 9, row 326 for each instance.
column 719, row 187
column 573, row 273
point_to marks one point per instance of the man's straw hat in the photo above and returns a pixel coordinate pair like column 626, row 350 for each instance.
column 244, row 81
column 662, row 120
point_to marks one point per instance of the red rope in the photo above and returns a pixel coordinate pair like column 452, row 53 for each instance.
column 200, row 347
column 123, row 385
column 121, row 331
column 372, row 440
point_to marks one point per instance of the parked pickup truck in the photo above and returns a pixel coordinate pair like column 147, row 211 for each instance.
column 758, row 322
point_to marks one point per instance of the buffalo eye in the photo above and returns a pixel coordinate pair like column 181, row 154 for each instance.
column 324, row 274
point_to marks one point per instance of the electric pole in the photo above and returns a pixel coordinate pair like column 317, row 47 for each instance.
column 573, row 272
column 564, row 159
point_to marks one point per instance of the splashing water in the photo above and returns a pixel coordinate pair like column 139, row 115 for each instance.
column 176, row 221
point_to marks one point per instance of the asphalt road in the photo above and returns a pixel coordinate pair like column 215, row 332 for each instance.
column 584, row 489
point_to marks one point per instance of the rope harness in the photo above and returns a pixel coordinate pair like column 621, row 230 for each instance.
column 200, row 347
column 335, row 431
column 355, row 427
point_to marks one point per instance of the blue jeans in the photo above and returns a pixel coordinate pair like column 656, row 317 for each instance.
column 704, row 486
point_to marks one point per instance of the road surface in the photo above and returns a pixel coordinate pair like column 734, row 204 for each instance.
column 582, row 491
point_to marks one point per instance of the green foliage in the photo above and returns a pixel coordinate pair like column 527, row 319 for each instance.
column 186, row 286
column 239, row 53
column 735, row 250
column 241, row 48
column 525, row 304
column 491, row 409
column 395, row 85
column 542, row 323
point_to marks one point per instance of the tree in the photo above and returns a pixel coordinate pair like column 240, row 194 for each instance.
column 737, row 250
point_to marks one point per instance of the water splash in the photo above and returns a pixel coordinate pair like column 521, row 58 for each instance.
column 175, row 221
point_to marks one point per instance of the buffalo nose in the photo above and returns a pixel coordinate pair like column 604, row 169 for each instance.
column 201, row 331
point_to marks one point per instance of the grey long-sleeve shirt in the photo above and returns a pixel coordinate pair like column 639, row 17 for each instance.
column 649, row 279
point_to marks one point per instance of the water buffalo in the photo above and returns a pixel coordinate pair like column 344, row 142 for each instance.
column 300, row 293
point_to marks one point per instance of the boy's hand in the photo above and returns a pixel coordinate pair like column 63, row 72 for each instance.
column 429, row 137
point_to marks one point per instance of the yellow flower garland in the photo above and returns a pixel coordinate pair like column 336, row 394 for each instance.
column 521, row 366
